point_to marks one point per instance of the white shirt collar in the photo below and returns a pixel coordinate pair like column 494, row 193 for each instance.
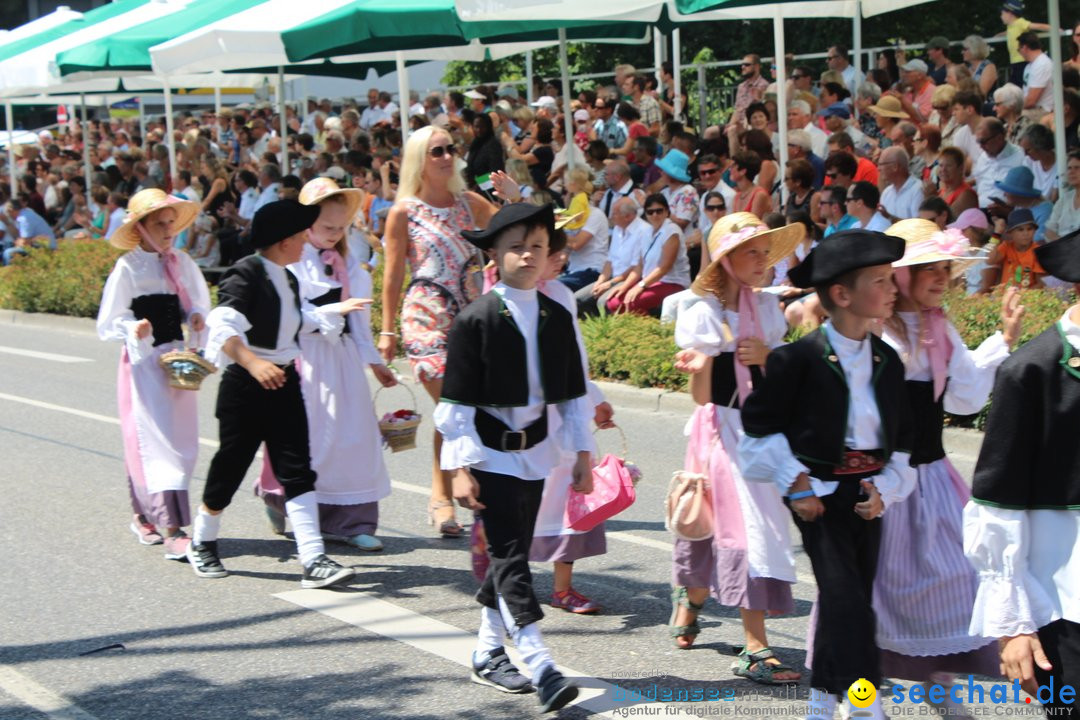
column 514, row 294
column 1071, row 329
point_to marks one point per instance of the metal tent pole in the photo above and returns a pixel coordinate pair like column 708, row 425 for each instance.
column 568, row 116
column 1054, row 16
column 9, row 118
column 88, row 171
column 529, row 77
column 403, row 94
column 284, row 120
column 781, row 92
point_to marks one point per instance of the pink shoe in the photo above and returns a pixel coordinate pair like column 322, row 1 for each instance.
column 145, row 531
column 176, row 546
column 573, row 601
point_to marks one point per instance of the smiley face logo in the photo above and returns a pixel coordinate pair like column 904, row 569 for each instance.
column 862, row 693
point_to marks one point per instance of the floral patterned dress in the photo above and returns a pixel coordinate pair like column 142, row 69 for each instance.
column 446, row 276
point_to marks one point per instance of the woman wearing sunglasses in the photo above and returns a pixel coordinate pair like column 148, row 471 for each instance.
column 424, row 228
column 664, row 268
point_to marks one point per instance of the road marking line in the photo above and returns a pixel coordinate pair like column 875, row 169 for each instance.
column 443, row 640
column 38, row 355
column 45, row 701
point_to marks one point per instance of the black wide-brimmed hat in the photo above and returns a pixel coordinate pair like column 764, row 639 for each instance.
column 1061, row 258
column 281, row 219
column 843, row 252
column 508, row 217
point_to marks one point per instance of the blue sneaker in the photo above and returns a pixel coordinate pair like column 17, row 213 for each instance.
column 498, row 672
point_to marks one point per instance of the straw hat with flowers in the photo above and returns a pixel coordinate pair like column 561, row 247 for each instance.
column 926, row 243
column 144, row 204
column 321, row 188
column 731, row 231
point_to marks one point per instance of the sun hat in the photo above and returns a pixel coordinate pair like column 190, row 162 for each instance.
column 317, row 190
column 890, row 107
column 731, row 231
column 971, row 218
column 1061, row 258
column 915, row 65
column 146, row 202
column 1019, row 181
column 925, row 242
column 1018, row 217
column 675, row 163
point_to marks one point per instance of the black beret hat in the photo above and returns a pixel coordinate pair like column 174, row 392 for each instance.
column 509, row 216
column 281, row 219
column 843, row 252
column 1061, row 258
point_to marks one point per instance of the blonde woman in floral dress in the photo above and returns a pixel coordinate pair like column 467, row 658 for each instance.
column 423, row 231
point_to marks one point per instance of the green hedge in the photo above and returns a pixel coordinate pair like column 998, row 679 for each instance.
column 634, row 349
column 67, row 281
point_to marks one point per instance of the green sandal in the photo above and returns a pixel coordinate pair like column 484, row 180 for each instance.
column 680, row 598
column 752, row 666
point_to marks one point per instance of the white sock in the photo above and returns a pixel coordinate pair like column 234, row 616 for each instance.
column 530, row 644
column 303, row 512
column 206, row 527
column 822, row 705
column 491, row 635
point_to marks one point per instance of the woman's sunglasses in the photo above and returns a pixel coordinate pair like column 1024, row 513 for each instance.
column 655, row 211
column 714, row 208
column 440, row 150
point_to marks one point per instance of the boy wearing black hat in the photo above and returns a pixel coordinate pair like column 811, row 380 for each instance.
column 830, row 424
column 1022, row 526
column 512, row 353
column 255, row 326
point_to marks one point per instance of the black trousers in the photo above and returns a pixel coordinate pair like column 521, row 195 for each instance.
column 843, row 549
column 1061, row 643
column 509, row 520
column 248, row 416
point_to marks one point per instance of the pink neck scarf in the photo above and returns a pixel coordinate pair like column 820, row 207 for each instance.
column 335, row 262
column 171, row 264
column 749, row 327
column 933, row 334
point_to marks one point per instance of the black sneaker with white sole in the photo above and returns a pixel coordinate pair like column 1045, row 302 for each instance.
column 325, row 572
column 205, row 561
column 554, row 691
column 498, row 672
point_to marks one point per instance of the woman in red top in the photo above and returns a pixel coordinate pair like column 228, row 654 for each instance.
column 634, row 130
column 749, row 197
column 951, row 185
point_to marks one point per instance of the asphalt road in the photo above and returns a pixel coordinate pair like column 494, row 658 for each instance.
column 97, row 627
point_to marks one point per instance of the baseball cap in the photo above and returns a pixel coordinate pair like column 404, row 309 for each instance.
column 581, row 116
column 914, row 65
column 938, row 42
column 508, row 91
column 836, row 110
column 473, row 95
column 546, row 101
column 972, row 217
column 1016, row 7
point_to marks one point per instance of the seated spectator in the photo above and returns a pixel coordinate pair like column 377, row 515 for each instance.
column 833, row 208
column 1066, row 215
column 24, row 228
column 1015, row 254
column 800, row 147
column 902, row 193
column 682, row 198
column 983, row 72
column 862, row 202
column 646, row 151
column 867, row 96
column 952, row 187
column 799, row 180
column 619, row 185
column 1037, row 142
column 540, row 156
column 864, row 168
column 519, row 171
column 942, row 116
column 927, row 145
column 998, row 157
column 749, row 196
column 713, row 207
column 936, row 210
column 588, row 249
column 1020, row 192
column 1038, row 75
column 1009, row 109
column 768, row 176
column 485, row 154
column 663, row 269
column 967, row 111
column 629, row 236
column 980, row 276
column 290, row 187
column 635, row 129
column 840, row 169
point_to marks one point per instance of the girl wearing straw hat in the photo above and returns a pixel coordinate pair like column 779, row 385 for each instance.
column 151, row 293
column 346, row 447
column 924, row 590
column 725, row 338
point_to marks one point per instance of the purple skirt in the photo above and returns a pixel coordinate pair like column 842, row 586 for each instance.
column 694, row 564
column 167, row 509
column 568, row 548
column 337, row 520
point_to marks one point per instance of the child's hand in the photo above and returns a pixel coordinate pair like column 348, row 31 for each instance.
column 690, row 361
column 1019, row 656
column 353, row 304
column 808, row 509
column 1012, row 313
column 871, row 507
column 582, row 474
column 602, row 416
column 266, row 373
column 467, row 490
column 384, row 375
column 752, row 351
column 196, row 323
column 143, row 329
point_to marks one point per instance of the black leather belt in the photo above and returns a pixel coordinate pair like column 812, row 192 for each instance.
column 497, row 435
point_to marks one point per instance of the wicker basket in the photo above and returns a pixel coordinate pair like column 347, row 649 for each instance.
column 635, row 472
column 186, row 369
column 400, row 436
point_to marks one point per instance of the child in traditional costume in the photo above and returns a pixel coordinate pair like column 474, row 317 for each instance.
column 726, row 338
column 151, row 293
column 346, row 446
column 925, row 588
column 512, row 354
column 256, row 324
column 829, row 423
column 1022, row 526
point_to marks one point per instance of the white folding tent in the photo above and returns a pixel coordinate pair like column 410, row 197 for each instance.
column 57, row 17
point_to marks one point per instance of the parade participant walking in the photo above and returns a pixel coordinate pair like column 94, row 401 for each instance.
column 424, row 229
column 1020, row 526
column 346, row 446
column 256, row 325
column 830, row 424
column 925, row 588
column 726, row 338
column 511, row 354
column 151, row 293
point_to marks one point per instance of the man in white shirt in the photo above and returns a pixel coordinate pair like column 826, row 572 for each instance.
column 903, row 194
column 184, row 187
column 837, row 57
column 629, row 235
column 617, row 175
column 261, row 134
column 862, row 204
column 800, row 118
column 1038, row 97
column 269, row 184
column 998, row 157
column 967, row 111
column 588, row 249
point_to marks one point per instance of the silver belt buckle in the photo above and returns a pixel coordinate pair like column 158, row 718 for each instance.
column 520, row 434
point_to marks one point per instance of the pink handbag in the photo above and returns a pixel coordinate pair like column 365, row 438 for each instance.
column 613, row 492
